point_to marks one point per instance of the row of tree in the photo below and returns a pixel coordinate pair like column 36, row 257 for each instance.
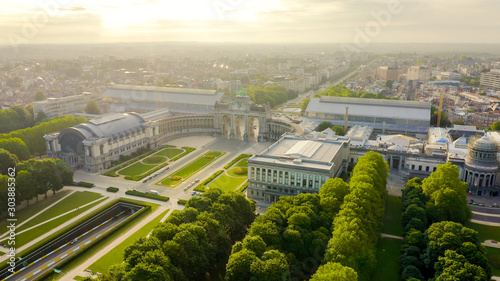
column 272, row 94
column 192, row 243
column 446, row 250
column 33, row 136
column 16, row 117
column 325, row 125
column 356, row 227
column 33, row 177
column 289, row 240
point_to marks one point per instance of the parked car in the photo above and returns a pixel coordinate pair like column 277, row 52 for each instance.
column 154, row 192
column 144, row 180
column 193, row 193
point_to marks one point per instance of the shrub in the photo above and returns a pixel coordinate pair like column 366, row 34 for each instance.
column 155, row 159
column 243, row 188
column 188, row 150
column 112, row 189
column 147, row 195
column 209, row 156
column 175, row 178
column 201, row 187
column 182, row 202
column 85, row 184
column 240, row 171
column 235, row 160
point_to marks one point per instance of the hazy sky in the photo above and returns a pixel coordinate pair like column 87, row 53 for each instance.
column 327, row 21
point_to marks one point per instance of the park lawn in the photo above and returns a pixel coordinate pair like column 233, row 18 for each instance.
column 34, row 208
column 392, row 216
column 2, row 253
column 227, row 183
column 115, row 256
column 193, row 167
column 170, row 152
column 242, row 163
column 387, row 255
column 88, row 253
column 34, row 233
column 493, row 255
column 150, row 159
column 71, row 202
column 485, row 232
column 136, row 169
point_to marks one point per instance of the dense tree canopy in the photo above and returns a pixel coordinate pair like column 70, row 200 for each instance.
column 92, row 107
column 447, row 195
column 335, row 272
column 33, row 136
column 272, row 94
column 192, row 242
column 342, row 91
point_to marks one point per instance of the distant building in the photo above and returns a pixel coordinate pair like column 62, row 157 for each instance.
column 295, row 165
column 54, row 107
column 481, row 166
column 485, row 119
column 420, row 73
column 396, row 116
column 124, row 98
column 387, row 73
column 445, row 76
column 491, row 80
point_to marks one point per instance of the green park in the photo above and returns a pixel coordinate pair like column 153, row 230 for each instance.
column 232, row 178
column 185, row 172
column 150, row 162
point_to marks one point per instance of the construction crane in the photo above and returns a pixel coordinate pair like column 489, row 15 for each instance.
column 440, row 110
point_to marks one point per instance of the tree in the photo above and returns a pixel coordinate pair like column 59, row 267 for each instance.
column 39, row 96
column 273, row 267
column 17, row 147
column 6, row 162
column 413, row 212
column 25, row 117
column 445, row 122
column 238, row 266
column 332, row 194
column 411, row 272
column 305, row 103
column 389, row 84
column 447, row 194
column 495, row 126
column 453, row 266
column 338, row 130
column 334, row 272
column 92, row 108
column 25, row 186
column 40, row 116
column 323, row 126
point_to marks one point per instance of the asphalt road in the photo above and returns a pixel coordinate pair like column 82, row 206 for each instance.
column 52, row 260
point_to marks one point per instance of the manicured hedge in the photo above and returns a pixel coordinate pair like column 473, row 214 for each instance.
column 85, row 184
column 188, row 150
column 235, row 160
column 147, row 195
column 243, row 188
column 182, row 202
column 201, row 187
column 112, row 189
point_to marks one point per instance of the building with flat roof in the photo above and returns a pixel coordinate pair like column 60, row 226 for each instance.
column 122, row 98
column 387, row 73
column 54, row 107
column 420, row 73
column 491, row 79
column 386, row 115
column 295, row 165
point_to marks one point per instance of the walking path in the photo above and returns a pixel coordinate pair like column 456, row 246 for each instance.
column 37, row 214
column 385, row 235
column 63, row 214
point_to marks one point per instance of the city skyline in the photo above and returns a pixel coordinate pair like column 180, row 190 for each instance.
column 276, row 21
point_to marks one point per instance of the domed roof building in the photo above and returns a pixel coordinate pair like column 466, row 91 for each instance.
column 481, row 166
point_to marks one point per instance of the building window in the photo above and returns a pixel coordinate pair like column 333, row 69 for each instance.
column 311, row 178
column 258, row 174
column 286, row 177
column 427, row 168
column 292, row 178
column 433, row 169
column 413, row 167
column 316, row 182
column 281, row 177
column 323, row 180
column 420, row 167
column 304, row 180
column 275, row 176
column 268, row 175
column 252, row 173
column 298, row 179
